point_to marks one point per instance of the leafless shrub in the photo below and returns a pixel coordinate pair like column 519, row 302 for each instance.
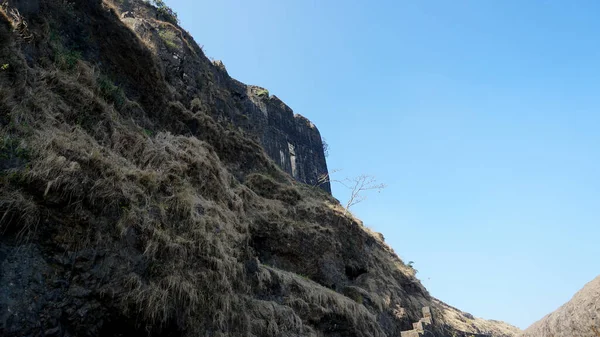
column 357, row 186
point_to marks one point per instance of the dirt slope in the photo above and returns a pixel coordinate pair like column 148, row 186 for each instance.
column 129, row 208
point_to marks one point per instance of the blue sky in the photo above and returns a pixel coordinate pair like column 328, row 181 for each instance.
column 480, row 116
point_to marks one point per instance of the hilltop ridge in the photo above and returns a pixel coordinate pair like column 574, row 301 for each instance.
column 579, row 317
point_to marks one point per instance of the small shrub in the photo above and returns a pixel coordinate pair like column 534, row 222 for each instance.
column 165, row 12
column 268, row 188
column 148, row 133
column 169, row 38
column 66, row 59
column 219, row 65
column 195, row 104
column 11, row 147
column 263, row 93
column 304, row 276
column 411, row 266
column 353, row 294
column 111, row 92
column 4, row 66
column 13, row 157
column 325, row 147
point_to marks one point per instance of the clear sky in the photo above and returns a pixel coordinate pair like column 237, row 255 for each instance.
column 482, row 117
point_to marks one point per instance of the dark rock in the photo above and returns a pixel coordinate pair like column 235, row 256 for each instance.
column 53, row 332
column 79, row 292
column 127, row 15
column 26, row 7
column 252, row 266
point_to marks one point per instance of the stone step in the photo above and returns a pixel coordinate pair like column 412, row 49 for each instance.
column 420, row 326
column 410, row 333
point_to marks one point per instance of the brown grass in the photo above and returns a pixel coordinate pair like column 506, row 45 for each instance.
column 267, row 187
column 188, row 189
column 305, row 293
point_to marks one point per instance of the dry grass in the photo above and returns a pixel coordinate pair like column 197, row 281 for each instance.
column 191, row 227
column 173, row 178
column 267, row 187
column 18, row 213
column 177, row 194
column 172, row 189
column 310, row 298
column 19, row 24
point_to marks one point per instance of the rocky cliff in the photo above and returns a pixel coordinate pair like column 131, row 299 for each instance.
column 290, row 140
column 580, row 317
column 143, row 192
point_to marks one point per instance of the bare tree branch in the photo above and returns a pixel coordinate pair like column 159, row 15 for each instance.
column 325, row 177
column 357, row 186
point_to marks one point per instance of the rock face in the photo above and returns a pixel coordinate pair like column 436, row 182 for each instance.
column 580, row 317
column 292, row 141
column 143, row 192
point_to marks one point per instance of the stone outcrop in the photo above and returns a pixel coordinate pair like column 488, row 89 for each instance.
column 291, row 140
column 580, row 317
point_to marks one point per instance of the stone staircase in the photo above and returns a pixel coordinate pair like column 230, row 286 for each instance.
column 420, row 327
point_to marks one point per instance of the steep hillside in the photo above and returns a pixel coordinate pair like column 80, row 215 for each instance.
column 143, row 192
column 580, row 317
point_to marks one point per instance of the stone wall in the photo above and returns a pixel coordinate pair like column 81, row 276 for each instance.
column 420, row 328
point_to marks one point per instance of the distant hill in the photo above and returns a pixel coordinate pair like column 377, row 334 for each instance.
column 580, row 317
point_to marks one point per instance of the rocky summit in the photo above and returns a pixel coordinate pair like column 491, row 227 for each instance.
column 144, row 192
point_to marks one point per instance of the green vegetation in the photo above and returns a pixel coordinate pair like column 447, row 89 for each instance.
column 357, row 298
column 4, row 66
column 195, row 104
column 304, row 276
column 165, row 11
column 169, row 38
column 66, row 59
column 148, row 133
column 12, row 148
column 411, row 266
column 354, row 294
column 111, row 92
column 263, row 93
column 17, row 156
